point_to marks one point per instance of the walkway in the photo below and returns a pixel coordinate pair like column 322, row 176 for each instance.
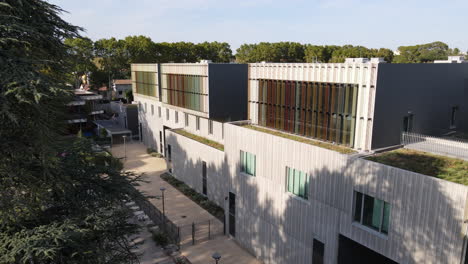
column 180, row 209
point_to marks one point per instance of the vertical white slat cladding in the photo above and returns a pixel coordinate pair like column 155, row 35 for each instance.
column 187, row 165
column 426, row 213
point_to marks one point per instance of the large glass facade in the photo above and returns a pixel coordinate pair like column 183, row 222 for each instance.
column 145, row 83
column 326, row 111
column 187, row 91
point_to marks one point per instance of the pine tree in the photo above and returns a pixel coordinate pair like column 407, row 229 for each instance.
column 60, row 202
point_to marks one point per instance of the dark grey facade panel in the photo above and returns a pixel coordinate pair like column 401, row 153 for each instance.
column 427, row 91
column 228, row 91
column 132, row 120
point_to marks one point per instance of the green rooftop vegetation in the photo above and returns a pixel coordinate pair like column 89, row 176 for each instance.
column 337, row 148
column 202, row 140
column 450, row 169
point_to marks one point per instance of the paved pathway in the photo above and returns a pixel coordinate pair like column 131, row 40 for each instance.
column 180, row 209
column 147, row 250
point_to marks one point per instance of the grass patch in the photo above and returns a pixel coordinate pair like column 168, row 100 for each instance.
column 153, row 153
column 201, row 200
column 450, row 169
column 203, row 140
column 337, row 148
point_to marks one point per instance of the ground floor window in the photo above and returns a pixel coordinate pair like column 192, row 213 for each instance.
column 248, row 163
column 297, row 182
column 371, row 212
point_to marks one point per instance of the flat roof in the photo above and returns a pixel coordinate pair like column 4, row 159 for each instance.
column 112, row 127
column 438, row 166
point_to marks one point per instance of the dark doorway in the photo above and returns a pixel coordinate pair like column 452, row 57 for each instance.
column 350, row 252
column 204, row 181
column 408, row 123
column 318, row 251
column 164, row 136
column 161, row 148
column 169, row 158
column 232, row 214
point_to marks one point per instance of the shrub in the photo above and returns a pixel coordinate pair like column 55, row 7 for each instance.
column 160, row 238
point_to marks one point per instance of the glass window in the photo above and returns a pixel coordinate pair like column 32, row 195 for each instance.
column 167, row 113
column 186, row 120
column 248, row 163
column 297, row 183
column 159, row 111
column 198, row 123
column 371, row 212
column 176, row 117
column 152, row 110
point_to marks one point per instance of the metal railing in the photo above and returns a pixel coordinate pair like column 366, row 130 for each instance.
column 168, row 227
column 200, row 231
column 437, row 145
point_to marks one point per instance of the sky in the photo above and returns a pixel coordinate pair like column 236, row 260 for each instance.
column 370, row 23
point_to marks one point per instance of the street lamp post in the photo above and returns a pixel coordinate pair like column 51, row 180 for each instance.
column 125, row 147
column 216, row 256
column 162, row 190
column 164, row 211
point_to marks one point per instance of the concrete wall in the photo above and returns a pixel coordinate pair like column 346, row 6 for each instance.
column 187, row 166
column 228, row 91
column 427, row 90
column 425, row 220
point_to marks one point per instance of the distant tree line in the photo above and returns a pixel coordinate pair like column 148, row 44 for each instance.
column 110, row 58
column 297, row 52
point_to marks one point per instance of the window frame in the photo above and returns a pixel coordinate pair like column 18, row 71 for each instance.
column 245, row 160
column 302, row 191
column 380, row 230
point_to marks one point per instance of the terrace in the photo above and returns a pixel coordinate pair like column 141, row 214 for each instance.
column 442, row 167
column 321, row 144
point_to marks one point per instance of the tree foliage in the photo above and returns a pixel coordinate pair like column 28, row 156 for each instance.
column 60, row 202
column 422, row 53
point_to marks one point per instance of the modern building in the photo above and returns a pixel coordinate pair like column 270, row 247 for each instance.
column 295, row 178
column 126, row 115
column 120, row 87
column 198, row 97
column 84, row 109
column 363, row 104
